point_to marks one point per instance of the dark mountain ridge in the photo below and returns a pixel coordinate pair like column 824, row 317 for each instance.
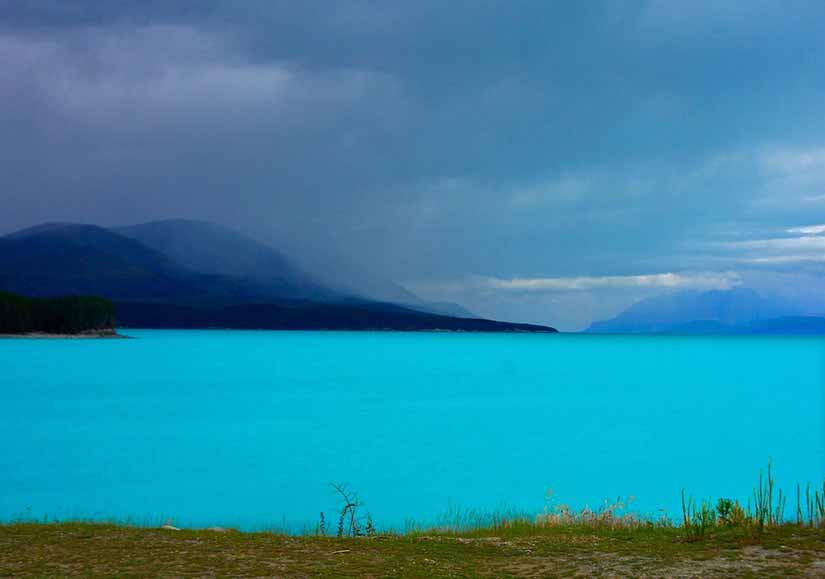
column 306, row 316
column 62, row 259
column 169, row 282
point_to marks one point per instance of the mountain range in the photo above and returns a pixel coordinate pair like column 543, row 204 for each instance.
column 192, row 274
column 740, row 310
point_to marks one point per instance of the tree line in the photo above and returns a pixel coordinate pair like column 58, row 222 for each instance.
column 65, row 315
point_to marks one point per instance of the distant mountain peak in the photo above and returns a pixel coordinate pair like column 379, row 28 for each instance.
column 711, row 308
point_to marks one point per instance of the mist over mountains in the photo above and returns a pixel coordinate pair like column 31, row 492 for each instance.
column 181, row 273
column 213, row 249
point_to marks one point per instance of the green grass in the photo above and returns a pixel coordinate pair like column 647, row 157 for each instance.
column 712, row 538
column 95, row 550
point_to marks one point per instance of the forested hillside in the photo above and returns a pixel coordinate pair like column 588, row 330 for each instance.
column 66, row 315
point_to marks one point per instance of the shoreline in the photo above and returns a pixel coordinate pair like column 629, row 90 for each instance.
column 86, row 335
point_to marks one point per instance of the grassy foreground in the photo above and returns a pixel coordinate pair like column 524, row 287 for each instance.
column 711, row 539
column 96, row 550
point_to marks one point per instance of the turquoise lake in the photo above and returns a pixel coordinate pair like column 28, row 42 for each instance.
column 248, row 429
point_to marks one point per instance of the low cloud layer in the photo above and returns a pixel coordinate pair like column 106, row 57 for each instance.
column 614, row 150
column 673, row 281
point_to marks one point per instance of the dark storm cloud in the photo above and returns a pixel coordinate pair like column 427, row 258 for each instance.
column 438, row 142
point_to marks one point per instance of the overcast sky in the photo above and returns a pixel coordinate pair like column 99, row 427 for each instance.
column 536, row 161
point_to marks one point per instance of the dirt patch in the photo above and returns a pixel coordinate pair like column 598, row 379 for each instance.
column 82, row 550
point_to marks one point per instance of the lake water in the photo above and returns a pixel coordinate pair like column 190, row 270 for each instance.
column 248, row 429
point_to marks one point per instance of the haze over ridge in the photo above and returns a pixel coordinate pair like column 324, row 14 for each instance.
column 196, row 275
